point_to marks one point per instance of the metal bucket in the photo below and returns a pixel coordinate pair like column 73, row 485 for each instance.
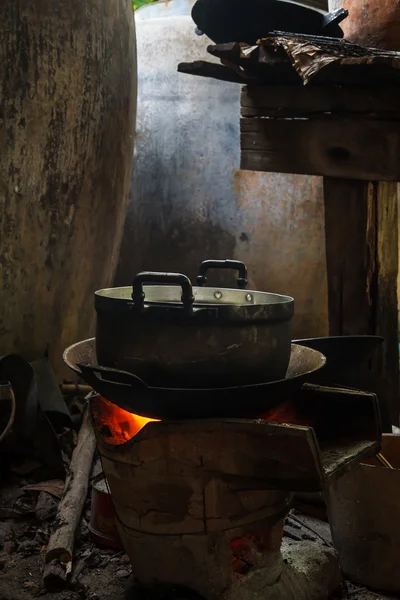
column 363, row 509
column 103, row 519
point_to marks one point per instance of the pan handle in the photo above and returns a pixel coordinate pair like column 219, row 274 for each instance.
column 236, row 265
column 102, row 378
column 335, row 17
column 138, row 295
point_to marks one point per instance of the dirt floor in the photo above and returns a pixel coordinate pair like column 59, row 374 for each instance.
column 98, row 574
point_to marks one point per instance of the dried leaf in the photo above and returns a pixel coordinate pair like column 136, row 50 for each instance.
column 14, row 505
column 55, row 487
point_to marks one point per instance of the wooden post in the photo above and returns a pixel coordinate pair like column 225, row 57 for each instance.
column 362, row 263
column 351, row 136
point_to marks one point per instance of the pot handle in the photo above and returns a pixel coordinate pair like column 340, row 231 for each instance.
column 236, row 265
column 335, row 17
column 184, row 282
column 100, row 378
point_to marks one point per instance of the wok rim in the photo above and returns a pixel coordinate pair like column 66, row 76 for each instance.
column 303, row 374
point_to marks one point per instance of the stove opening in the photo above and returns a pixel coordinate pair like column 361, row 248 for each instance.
column 115, row 425
column 287, row 413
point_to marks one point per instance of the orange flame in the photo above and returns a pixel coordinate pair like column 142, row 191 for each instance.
column 116, row 425
column 285, row 413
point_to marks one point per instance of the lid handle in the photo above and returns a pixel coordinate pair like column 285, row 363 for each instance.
column 138, row 295
column 236, row 265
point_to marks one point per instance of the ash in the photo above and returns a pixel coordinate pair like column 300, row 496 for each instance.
column 105, row 574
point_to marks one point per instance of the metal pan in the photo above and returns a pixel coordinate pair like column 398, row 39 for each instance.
column 226, row 21
column 351, row 362
column 133, row 394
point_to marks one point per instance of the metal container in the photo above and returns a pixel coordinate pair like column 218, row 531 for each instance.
column 375, row 23
column 103, row 518
column 363, row 508
column 174, row 335
column 226, row 21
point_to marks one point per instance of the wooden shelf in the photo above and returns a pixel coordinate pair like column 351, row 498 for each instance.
column 321, row 107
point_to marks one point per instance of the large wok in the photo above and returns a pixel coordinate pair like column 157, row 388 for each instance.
column 133, row 394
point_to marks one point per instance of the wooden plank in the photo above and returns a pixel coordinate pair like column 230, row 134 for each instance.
column 387, row 308
column 342, row 148
column 361, row 254
column 317, row 100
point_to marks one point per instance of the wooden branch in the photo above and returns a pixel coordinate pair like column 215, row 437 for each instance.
column 61, row 544
column 212, row 70
column 55, row 576
column 75, row 389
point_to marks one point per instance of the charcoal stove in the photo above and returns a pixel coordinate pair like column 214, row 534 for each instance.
column 201, row 503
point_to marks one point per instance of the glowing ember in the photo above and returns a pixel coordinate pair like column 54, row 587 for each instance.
column 246, row 550
column 116, row 425
column 285, row 413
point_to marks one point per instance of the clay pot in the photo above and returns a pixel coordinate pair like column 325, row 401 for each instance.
column 67, row 114
column 374, row 23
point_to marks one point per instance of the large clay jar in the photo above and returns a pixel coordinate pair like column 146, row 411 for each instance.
column 67, row 114
column 374, row 23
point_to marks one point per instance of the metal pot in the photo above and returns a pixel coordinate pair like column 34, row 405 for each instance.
column 175, row 335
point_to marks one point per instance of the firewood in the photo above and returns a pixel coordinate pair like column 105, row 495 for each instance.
column 60, row 548
column 54, row 576
column 75, row 389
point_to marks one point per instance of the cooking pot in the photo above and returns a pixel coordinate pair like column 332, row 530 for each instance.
column 172, row 334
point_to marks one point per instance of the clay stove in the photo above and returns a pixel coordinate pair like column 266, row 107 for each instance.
column 202, row 503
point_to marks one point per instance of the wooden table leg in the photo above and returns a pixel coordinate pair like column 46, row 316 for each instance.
column 362, row 265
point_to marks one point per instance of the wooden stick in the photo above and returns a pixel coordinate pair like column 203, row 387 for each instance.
column 61, row 544
column 384, row 461
column 75, row 389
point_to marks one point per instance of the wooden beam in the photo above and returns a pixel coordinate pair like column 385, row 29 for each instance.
column 287, row 101
column 387, row 307
column 343, row 148
column 362, row 265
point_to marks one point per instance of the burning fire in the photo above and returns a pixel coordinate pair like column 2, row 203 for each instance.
column 115, row 424
column 118, row 426
column 286, row 413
